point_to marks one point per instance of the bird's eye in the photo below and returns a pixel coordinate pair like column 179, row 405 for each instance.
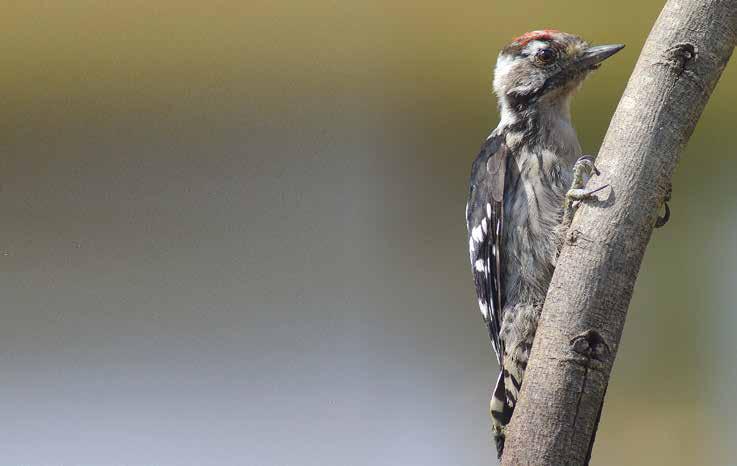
column 545, row 55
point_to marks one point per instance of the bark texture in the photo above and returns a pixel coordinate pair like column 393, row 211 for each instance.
column 577, row 340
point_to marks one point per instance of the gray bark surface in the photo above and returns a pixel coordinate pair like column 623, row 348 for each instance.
column 581, row 325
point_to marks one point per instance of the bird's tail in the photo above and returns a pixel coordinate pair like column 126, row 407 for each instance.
column 501, row 413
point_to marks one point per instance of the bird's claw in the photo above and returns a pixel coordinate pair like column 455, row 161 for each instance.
column 583, row 194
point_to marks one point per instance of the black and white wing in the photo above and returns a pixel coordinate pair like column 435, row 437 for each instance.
column 485, row 222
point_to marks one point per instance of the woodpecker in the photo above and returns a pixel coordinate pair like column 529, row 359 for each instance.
column 528, row 172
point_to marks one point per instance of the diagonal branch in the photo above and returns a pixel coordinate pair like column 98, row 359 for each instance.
column 558, row 411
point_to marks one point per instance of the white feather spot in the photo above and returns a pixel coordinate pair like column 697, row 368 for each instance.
column 484, row 309
column 488, row 210
column 479, row 265
column 484, row 228
column 477, row 234
column 471, row 248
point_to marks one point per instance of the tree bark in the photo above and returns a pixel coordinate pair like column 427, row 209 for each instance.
column 581, row 324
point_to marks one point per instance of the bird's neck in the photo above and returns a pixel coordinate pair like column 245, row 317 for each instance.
column 545, row 123
column 540, row 110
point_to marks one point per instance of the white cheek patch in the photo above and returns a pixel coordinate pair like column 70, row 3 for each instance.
column 503, row 66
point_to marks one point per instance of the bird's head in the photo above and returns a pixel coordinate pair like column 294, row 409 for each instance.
column 545, row 66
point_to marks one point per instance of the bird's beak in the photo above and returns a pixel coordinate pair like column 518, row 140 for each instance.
column 593, row 56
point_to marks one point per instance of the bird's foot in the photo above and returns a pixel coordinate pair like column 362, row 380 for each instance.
column 661, row 221
column 582, row 171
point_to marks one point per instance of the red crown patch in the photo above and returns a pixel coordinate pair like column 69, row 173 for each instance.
column 544, row 34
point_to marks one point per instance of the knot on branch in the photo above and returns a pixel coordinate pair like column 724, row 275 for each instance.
column 591, row 345
column 665, row 195
column 573, row 236
column 680, row 55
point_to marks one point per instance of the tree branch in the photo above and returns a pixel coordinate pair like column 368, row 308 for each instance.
column 581, row 325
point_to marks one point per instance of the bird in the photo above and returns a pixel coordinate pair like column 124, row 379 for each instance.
column 526, row 181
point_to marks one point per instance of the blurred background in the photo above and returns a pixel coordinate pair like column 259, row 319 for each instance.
column 233, row 234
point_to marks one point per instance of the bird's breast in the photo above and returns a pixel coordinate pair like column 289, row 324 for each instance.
column 533, row 207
